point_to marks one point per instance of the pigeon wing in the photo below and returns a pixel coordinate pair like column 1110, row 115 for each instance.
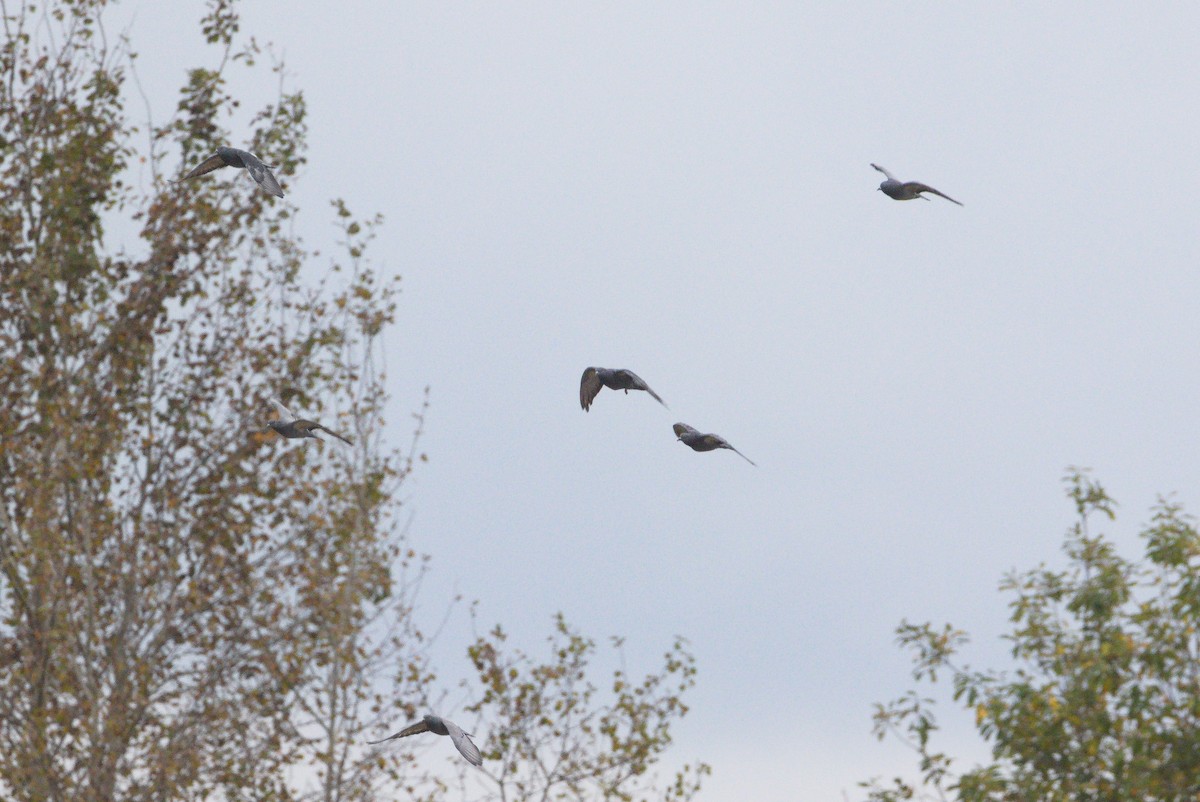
column 917, row 186
column 463, row 743
column 882, row 170
column 682, row 428
column 345, row 440
column 721, row 442
column 589, row 387
column 265, row 179
column 640, row 384
column 284, row 411
column 306, row 426
column 213, row 162
column 411, row 729
column 740, row 454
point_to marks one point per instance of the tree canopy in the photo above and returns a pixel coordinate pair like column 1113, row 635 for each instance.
column 1104, row 699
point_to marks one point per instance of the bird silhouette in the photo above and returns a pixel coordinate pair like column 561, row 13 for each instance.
column 907, row 190
column 440, row 726
column 596, row 378
column 699, row 441
column 232, row 157
column 292, row 427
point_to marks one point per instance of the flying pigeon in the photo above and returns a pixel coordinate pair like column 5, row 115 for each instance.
column 232, row 157
column 291, row 426
column 907, row 190
column 699, row 441
column 440, row 726
column 595, row 378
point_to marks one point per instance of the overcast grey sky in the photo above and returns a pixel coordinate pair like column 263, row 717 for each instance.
column 684, row 189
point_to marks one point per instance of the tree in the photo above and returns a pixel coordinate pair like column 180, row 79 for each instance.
column 555, row 743
column 190, row 606
column 1104, row 702
column 187, row 599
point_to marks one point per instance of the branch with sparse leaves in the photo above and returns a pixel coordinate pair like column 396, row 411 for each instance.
column 552, row 734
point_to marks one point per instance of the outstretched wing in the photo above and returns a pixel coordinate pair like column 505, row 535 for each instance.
column 721, row 442
column 882, row 170
column 463, row 743
column 917, row 186
column 682, row 428
column 345, row 440
column 640, row 384
column 589, row 387
column 284, row 411
column 411, row 729
column 743, row 456
column 265, row 178
column 213, row 162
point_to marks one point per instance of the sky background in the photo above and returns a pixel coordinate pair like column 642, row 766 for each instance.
column 684, row 189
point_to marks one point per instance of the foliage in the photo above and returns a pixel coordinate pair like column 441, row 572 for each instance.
column 554, row 742
column 1105, row 700
column 190, row 606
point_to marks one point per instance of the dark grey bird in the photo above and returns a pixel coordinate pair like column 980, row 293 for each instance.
column 232, row 157
column 595, row 378
column 699, row 441
column 907, row 190
column 292, row 427
column 440, row 726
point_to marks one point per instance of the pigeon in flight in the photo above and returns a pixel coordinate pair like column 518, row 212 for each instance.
column 907, row 190
column 292, row 427
column 595, row 378
column 232, row 157
column 698, row 441
column 440, row 726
